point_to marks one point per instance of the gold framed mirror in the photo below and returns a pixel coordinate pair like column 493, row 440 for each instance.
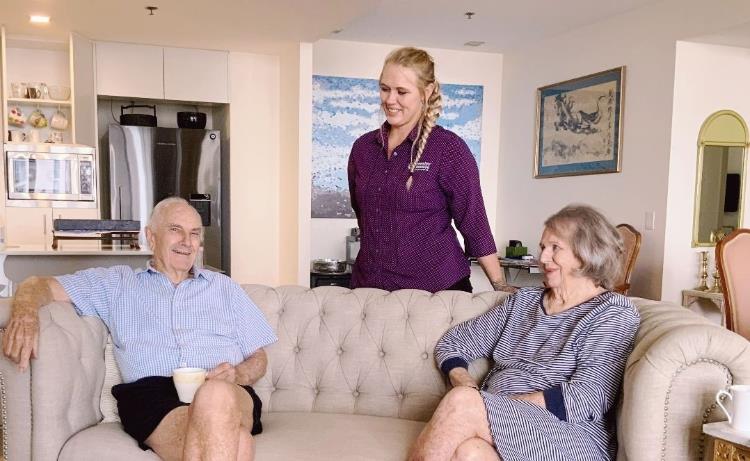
column 720, row 177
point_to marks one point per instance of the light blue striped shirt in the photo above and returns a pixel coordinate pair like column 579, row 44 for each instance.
column 157, row 327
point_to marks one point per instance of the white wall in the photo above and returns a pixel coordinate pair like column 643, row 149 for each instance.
column 292, row 60
column 708, row 78
column 254, row 86
column 644, row 41
column 326, row 237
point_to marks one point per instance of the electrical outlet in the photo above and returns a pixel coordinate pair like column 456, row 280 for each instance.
column 650, row 223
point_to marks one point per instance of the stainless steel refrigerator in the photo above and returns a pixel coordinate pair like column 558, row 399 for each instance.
column 148, row 164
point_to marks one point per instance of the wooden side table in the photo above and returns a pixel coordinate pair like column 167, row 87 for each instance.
column 691, row 296
column 729, row 445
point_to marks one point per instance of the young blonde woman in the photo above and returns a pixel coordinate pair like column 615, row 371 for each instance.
column 409, row 181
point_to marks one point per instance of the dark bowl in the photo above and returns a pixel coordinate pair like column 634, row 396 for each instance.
column 138, row 119
column 191, row 120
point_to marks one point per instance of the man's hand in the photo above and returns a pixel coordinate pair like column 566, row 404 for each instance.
column 460, row 376
column 21, row 338
column 224, row 371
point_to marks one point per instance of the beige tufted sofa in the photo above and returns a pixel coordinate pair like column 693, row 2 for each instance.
column 352, row 377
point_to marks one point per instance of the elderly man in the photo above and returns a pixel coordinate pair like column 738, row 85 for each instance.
column 169, row 315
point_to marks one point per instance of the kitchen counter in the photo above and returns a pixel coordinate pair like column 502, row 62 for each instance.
column 73, row 248
column 18, row 262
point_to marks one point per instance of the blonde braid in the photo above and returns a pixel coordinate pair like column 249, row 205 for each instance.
column 429, row 119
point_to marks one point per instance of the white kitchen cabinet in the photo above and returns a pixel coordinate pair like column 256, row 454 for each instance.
column 84, row 89
column 196, row 75
column 28, row 226
column 128, row 70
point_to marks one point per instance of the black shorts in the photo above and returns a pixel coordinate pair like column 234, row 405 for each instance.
column 144, row 403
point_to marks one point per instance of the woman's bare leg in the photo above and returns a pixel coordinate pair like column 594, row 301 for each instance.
column 459, row 417
column 475, row 449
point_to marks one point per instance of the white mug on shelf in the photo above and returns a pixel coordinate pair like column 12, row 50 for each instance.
column 16, row 136
column 58, row 121
column 55, row 137
column 32, row 136
column 739, row 394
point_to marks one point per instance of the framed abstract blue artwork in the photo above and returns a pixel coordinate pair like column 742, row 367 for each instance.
column 579, row 125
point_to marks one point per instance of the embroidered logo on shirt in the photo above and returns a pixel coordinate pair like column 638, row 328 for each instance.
column 422, row 166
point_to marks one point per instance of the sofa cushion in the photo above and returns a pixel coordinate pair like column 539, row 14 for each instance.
column 286, row 436
column 326, row 436
column 363, row 351
column 104, row 441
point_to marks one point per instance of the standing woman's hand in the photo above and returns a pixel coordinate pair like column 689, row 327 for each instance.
column 491, row 266
column 500, row 285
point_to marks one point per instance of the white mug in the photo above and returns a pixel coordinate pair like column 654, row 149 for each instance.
column 17, row 136
column 187, row 381
column 58, row 121
column 32, row 136
column 739, row 394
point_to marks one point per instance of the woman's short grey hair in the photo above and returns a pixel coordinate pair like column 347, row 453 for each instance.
column 594, row 241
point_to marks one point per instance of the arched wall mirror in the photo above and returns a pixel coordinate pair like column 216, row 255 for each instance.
column 720, row 178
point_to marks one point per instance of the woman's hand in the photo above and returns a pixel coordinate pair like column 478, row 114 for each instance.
column 460, row 376
column 500, row 285
column 537, row 398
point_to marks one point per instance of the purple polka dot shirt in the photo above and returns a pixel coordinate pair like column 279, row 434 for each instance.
column 407, row 240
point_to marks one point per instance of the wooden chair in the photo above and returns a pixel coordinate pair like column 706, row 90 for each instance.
column 733, row 260
column 632, row 243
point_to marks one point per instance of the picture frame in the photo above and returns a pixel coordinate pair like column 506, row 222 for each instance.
column 579, row 125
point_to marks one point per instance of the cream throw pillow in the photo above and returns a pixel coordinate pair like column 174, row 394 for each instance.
column 107, row 402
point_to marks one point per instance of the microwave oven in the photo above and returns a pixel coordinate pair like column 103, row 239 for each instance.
column 62, row 174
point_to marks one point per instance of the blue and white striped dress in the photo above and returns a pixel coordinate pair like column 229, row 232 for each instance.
column 576, row 357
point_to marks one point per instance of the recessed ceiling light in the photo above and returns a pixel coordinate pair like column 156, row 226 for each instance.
column 474, row 43
column 39, row 19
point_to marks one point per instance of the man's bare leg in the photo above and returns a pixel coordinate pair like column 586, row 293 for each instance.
column 219, row 424
column 169, row 438
column 459, row 417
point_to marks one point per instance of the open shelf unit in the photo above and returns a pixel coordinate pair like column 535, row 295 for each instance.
column 29, row 61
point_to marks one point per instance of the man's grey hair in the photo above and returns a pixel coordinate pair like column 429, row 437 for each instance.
column 594, row 241
column 160, row 209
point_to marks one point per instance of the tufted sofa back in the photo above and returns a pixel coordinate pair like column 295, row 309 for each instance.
column 362, row 351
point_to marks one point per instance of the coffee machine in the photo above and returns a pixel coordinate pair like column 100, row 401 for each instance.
column 352, row 245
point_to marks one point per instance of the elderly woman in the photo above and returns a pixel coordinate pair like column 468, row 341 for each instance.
column 559, row 353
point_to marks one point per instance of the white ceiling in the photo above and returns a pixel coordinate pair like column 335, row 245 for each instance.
column 266, row 25
column 243, row 25
column 501, row 24
column 735, row 36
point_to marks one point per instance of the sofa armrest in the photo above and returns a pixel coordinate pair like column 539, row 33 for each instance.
column 15, row 401
column 60, row 393
column 679, row 361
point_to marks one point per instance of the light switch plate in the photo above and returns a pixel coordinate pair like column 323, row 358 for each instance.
column 650, row 220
